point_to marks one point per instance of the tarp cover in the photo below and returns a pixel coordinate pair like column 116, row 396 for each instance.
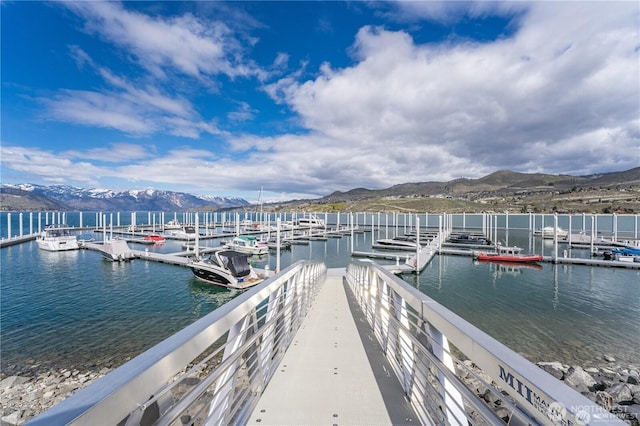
column 236, row 262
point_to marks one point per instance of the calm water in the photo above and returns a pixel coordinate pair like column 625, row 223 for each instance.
column 75, row 309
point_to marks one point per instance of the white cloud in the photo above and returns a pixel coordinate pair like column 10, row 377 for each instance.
column 183, row 44
column 543, row 99
column 558, row 96
column 49, row 166
column 128, row 108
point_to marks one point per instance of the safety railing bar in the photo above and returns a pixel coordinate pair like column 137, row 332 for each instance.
column 493, row 357
column 173, row 413
column 439, row 366
column 506, row 400
column 184, row 403
column 193, row 370
column 449, row 375
column 109, row 397
column 428, row 396
column 203, row 362
column 236, row 405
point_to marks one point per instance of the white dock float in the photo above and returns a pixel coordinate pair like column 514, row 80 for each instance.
column 325, row 376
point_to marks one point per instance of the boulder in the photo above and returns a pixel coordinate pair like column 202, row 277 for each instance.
column 11, row 381
column 621, row 394
column 604, row 399
column 556, row 369
column 635, row 391
column 579, row 379
column 13, row 418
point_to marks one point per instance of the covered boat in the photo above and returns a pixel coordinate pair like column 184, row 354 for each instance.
column 116, row 250
column 226, row 268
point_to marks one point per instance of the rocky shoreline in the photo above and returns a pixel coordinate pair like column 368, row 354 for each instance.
column 613, row 386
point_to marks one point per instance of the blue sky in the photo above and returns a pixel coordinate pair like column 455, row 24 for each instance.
column 306, row 98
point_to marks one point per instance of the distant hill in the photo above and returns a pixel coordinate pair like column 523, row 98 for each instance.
column 500, row 183
column 61, row 197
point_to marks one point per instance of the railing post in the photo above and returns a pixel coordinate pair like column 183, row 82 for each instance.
column 451, row 396
column 226, row 384
column 269, row 336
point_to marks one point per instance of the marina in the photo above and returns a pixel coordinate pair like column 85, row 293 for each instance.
column 162, row 298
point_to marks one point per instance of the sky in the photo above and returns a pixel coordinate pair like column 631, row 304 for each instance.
column 282, row 100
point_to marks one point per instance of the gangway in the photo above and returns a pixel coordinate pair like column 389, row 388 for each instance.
column 316, row 346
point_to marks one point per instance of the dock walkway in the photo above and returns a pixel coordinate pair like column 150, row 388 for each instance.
column 334, row 372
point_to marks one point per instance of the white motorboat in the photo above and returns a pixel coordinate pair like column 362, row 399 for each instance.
column 183, row 233
column 247, row 244
column 398, row 243
column 549, row 231
column 311, row 221
column 173, row 224
column 226, row 268
column 57, row 237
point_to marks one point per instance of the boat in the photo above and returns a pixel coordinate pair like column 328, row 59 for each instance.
column 185, row 232
column 627, row 254
column 226, row 268
column 549, row 231
column 512, row 265
column 155, row 238
column 247, row 244
column 468, row 239
column 57, row 237
column 273, row 244
column 508, row 254
column 116, row 250
column 311, row 221
column 397, row 243
column 173, row 224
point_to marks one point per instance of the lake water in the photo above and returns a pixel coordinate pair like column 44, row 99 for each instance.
column 74, row 309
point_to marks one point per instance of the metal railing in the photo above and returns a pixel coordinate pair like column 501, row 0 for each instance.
column 211, row 372
column 478, row 380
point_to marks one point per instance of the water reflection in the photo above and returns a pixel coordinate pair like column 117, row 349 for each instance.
column 208, row 297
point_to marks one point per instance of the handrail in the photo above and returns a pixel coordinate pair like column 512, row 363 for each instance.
column 414, row 332
column 212, row 371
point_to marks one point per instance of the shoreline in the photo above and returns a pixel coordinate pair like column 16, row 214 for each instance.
column 23, row 396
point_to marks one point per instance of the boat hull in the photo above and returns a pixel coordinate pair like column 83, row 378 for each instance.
column 67, row 245
column 521, row 258
column 211, row 275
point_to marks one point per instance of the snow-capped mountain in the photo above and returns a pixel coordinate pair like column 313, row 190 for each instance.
column 61, row 197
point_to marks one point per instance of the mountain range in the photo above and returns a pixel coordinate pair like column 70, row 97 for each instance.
column 500, row 184
column 62, row 197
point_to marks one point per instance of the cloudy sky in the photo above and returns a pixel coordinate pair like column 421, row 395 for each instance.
column 306, row 98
